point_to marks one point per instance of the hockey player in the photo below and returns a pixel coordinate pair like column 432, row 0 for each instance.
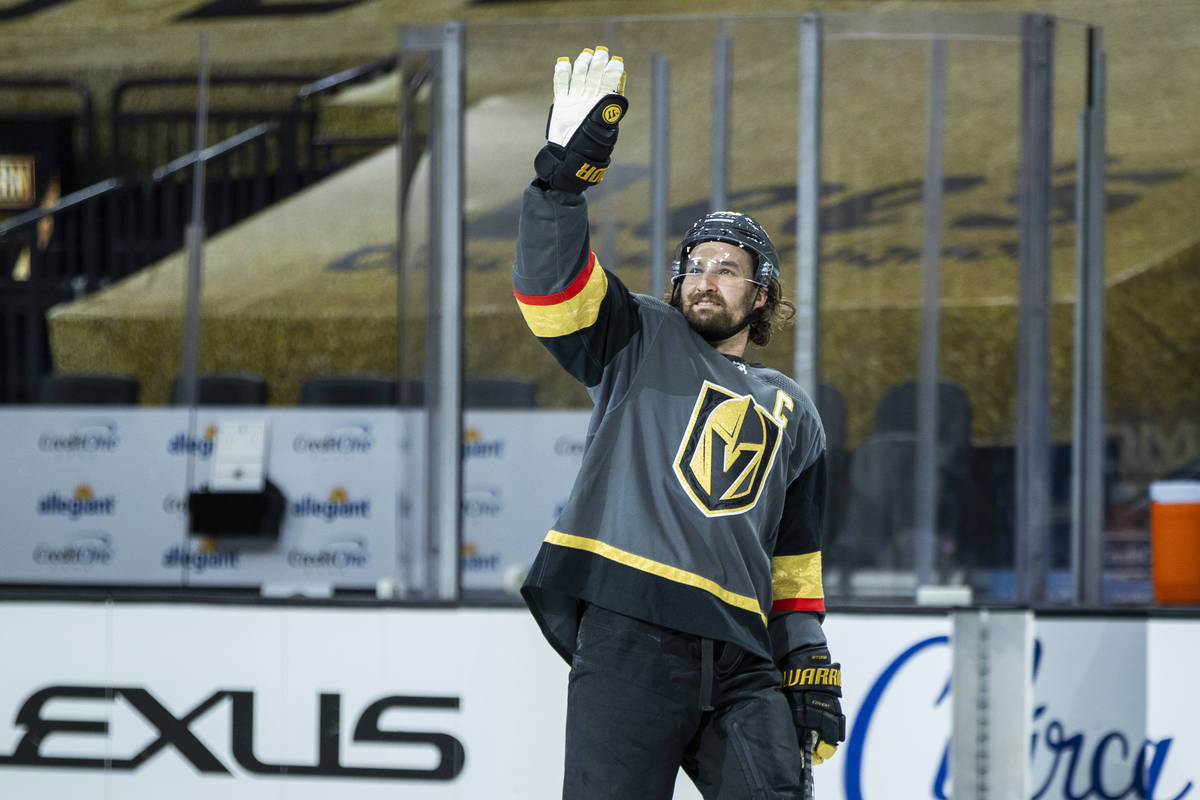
column 682, row 581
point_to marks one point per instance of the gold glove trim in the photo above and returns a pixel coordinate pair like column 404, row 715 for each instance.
column 823, row 752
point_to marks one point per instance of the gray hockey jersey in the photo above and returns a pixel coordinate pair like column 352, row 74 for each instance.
column 698, row 504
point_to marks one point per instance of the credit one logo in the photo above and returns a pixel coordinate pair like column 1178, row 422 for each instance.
column 475, row 446
column 175, row 733
column 201, row 446
column 1079, row 765
column 569, row 447
column 482, row 502
column 91, row 549
column 83, row 502
column 349, row 440
column 338, row 506
column 99, row 436
column 348, row 553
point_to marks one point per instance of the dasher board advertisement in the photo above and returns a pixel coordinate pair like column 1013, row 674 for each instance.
column 135, row 701
column 98, row 495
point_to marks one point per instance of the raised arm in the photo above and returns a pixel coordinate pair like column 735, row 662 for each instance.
column 581, row 313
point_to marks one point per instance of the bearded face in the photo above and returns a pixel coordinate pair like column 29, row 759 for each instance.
column 716, row 294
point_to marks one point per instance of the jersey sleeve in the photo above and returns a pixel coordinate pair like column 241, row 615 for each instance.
column 798, row 605
column 582, row 313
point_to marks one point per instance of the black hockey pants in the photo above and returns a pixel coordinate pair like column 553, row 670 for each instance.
column 642, row 702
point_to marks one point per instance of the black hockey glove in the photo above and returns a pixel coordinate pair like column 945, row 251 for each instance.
column 813, row 685
column 582, row 129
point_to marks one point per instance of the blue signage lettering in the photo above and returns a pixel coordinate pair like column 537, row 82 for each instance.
column 200, row 560
column 1083, row 765
column 493, row 449
column 181, row 444
column 332, row 509
column 862, row 721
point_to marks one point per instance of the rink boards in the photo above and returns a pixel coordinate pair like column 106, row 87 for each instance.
column 284, row 700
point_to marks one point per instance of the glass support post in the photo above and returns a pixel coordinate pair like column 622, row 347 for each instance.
column 443, row 351
column 926, row 484
column 1033, row 310
column 808, row 207
column 660, row 163
column 1088, row 456
column 721, row 119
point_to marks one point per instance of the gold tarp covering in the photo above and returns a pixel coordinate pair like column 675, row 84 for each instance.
column 308, row 286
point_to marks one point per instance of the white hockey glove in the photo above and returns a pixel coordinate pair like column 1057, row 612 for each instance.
column 582, row 129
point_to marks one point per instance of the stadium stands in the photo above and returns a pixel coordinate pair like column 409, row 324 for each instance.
column 89, row 390
column 223, row 390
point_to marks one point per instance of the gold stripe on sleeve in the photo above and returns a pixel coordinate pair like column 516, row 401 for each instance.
column 797, row 576
column 571, row 314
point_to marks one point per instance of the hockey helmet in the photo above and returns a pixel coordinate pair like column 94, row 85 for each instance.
column 733, row 228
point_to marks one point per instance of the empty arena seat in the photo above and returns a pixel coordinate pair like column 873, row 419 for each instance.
column 499, row 392
column 897, row 412
column 831, row 405
column 224, row 390
column 348, row 390
column 881, row 516
column 480, row 391
column 89, row 390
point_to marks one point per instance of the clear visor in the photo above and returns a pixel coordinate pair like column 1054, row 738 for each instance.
column 721, row 266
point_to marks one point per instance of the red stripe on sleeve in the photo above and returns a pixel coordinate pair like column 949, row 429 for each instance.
column 558, row 297
column 799, row 604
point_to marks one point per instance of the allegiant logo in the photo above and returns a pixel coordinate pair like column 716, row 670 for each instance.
column 338, row 506
column 199, row 446
column 475, row 446
column 474, row 561
column 204, row 558
column 83, row 502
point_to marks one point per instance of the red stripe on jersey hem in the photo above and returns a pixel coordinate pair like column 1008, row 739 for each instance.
column 561, row 297
column 800, row 604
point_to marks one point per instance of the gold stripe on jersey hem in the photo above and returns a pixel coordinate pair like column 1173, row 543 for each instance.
column 797, row 576
column 661, row 570
column 571, row 315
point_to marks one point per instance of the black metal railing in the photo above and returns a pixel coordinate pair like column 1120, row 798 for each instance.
column 84, row 116
column 328, row 151
column 153, row 120
column 115, row 227
column 100, row 234
column 148, row 129
column 47, row 256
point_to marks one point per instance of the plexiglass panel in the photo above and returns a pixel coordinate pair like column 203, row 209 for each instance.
column 301, row 306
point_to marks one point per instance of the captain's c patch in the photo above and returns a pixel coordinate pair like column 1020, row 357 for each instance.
column 727, row 451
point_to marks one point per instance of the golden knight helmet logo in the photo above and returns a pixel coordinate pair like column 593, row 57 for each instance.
column 727, row 451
